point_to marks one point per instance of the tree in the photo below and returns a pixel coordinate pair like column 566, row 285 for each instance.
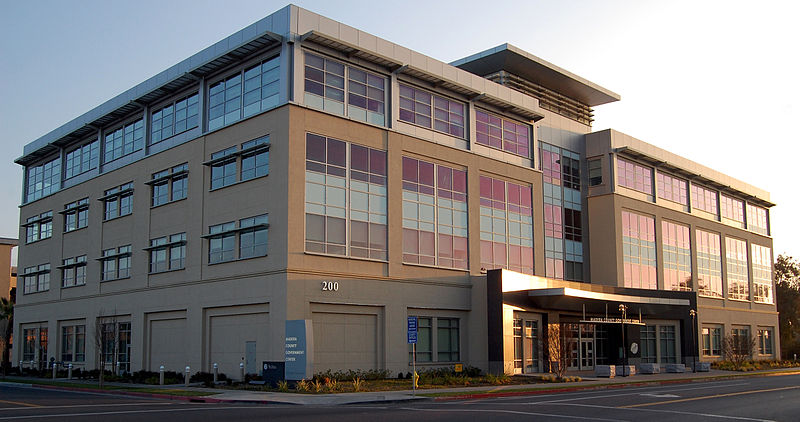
column 7, row 316
column 559, row 346
column 787, row 298
column 738, row 348
column 105, row 342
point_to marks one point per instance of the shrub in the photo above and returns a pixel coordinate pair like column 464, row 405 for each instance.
column 302, row 386
column 358, row 383
column 283, row 386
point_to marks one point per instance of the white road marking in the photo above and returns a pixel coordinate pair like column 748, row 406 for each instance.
column 706, row 415
column 149, row 403
column 513, row 412
column 660, row 396
column 129, row 412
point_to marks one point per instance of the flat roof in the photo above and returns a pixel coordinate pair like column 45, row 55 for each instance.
column 521, row 63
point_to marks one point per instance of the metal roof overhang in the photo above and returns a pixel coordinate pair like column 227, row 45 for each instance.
column 576, row 300
column 674, row 168
column 521, row 63
column 351, row 50
column 131, row 103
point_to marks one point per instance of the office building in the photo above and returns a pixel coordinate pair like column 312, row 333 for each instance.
column 301, row 169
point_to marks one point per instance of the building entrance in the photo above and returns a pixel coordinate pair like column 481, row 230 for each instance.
column 526, row 346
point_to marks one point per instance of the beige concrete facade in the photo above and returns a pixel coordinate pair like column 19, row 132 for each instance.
column 234, row 312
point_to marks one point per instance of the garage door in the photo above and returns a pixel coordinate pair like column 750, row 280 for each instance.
column 345, row 341
column 168, row 344
column 233, row 337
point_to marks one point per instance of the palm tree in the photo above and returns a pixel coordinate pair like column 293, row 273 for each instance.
column 6, row 314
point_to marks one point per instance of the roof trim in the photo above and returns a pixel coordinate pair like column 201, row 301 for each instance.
column 258, row 36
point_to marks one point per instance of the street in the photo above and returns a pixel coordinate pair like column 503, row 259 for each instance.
column 772, row 398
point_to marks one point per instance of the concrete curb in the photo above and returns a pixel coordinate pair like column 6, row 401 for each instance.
column 637, row 383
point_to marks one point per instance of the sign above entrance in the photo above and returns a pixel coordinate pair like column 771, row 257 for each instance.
column 597, row 320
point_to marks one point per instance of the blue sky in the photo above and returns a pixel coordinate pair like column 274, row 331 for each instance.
column 713, row 81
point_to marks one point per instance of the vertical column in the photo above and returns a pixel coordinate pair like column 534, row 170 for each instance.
column 146, row 128
column 201, row 105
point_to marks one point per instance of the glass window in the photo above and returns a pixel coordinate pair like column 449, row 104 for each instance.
column 223, row 170
column 704, row 199
column 333, row 199
column 506, row 225
column 36, row 279
column 732, row 210
column 230, row 100
column 364, row 98
column 741, row 340
column 118, row 201
column 253, row 236
column 672, row 188
column 666, row 334
column 123, row 141
column 424, row 345
column 634, row 176
column 595, row 172
column 169, row 185
column 222, row 242
column 712, row 341
column 82, row 159
column 73, row 343
column 73, row 271
column 709, row 264
column 42, row 180
column 648, row 341
column 116, row 263
column 762, row 273
column 757, row 219
column 168, row 253
column 434, row 214
column 677, row 252
column 563, row 216
column 39, row 227
column 638, row 250
column 502, row 133
column 174, row 118
column 447, row 340
column 432, row 111
column 736, row 264
column 255, row 158
column 76, row 215
column 765, row 341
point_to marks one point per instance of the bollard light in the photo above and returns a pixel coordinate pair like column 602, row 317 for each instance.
column 241, row 370
column 186, row 376
column 69, row 371
column 161, row 375
column 216, row 373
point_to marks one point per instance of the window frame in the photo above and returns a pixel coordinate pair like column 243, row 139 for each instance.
column 36, row 279
column 491, row 122
column 109, row 146
column 117, row 255
column 122, row 198
column 647, row 182
column 173, row 104
column 38, row 227
column 69, row 340
column 88, row 158
column 349, row 108
column 73, row 271
column 234, row 230
column 241, row 73
column 169, row 178
column 428, row 331
column 42, row 180
column 230, row 162
column 403, row 86
column 76, row 215
column 169, row 245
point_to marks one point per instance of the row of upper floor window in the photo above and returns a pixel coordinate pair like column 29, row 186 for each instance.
column 689, row 195
column 228, row 241
column 743, row 267
column 330, row 85
column 232, row 165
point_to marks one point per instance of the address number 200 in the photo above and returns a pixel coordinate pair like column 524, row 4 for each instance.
column 330, row 286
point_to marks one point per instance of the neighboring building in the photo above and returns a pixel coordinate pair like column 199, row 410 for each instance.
column 302, row 169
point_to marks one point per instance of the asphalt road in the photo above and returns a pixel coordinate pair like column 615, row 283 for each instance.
column 775, row 398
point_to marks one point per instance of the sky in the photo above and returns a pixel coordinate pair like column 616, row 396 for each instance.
column 713, row 81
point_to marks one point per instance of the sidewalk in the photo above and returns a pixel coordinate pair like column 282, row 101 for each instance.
column 589, row 382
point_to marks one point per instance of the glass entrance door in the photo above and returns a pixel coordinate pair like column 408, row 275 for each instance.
column 587, row 354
